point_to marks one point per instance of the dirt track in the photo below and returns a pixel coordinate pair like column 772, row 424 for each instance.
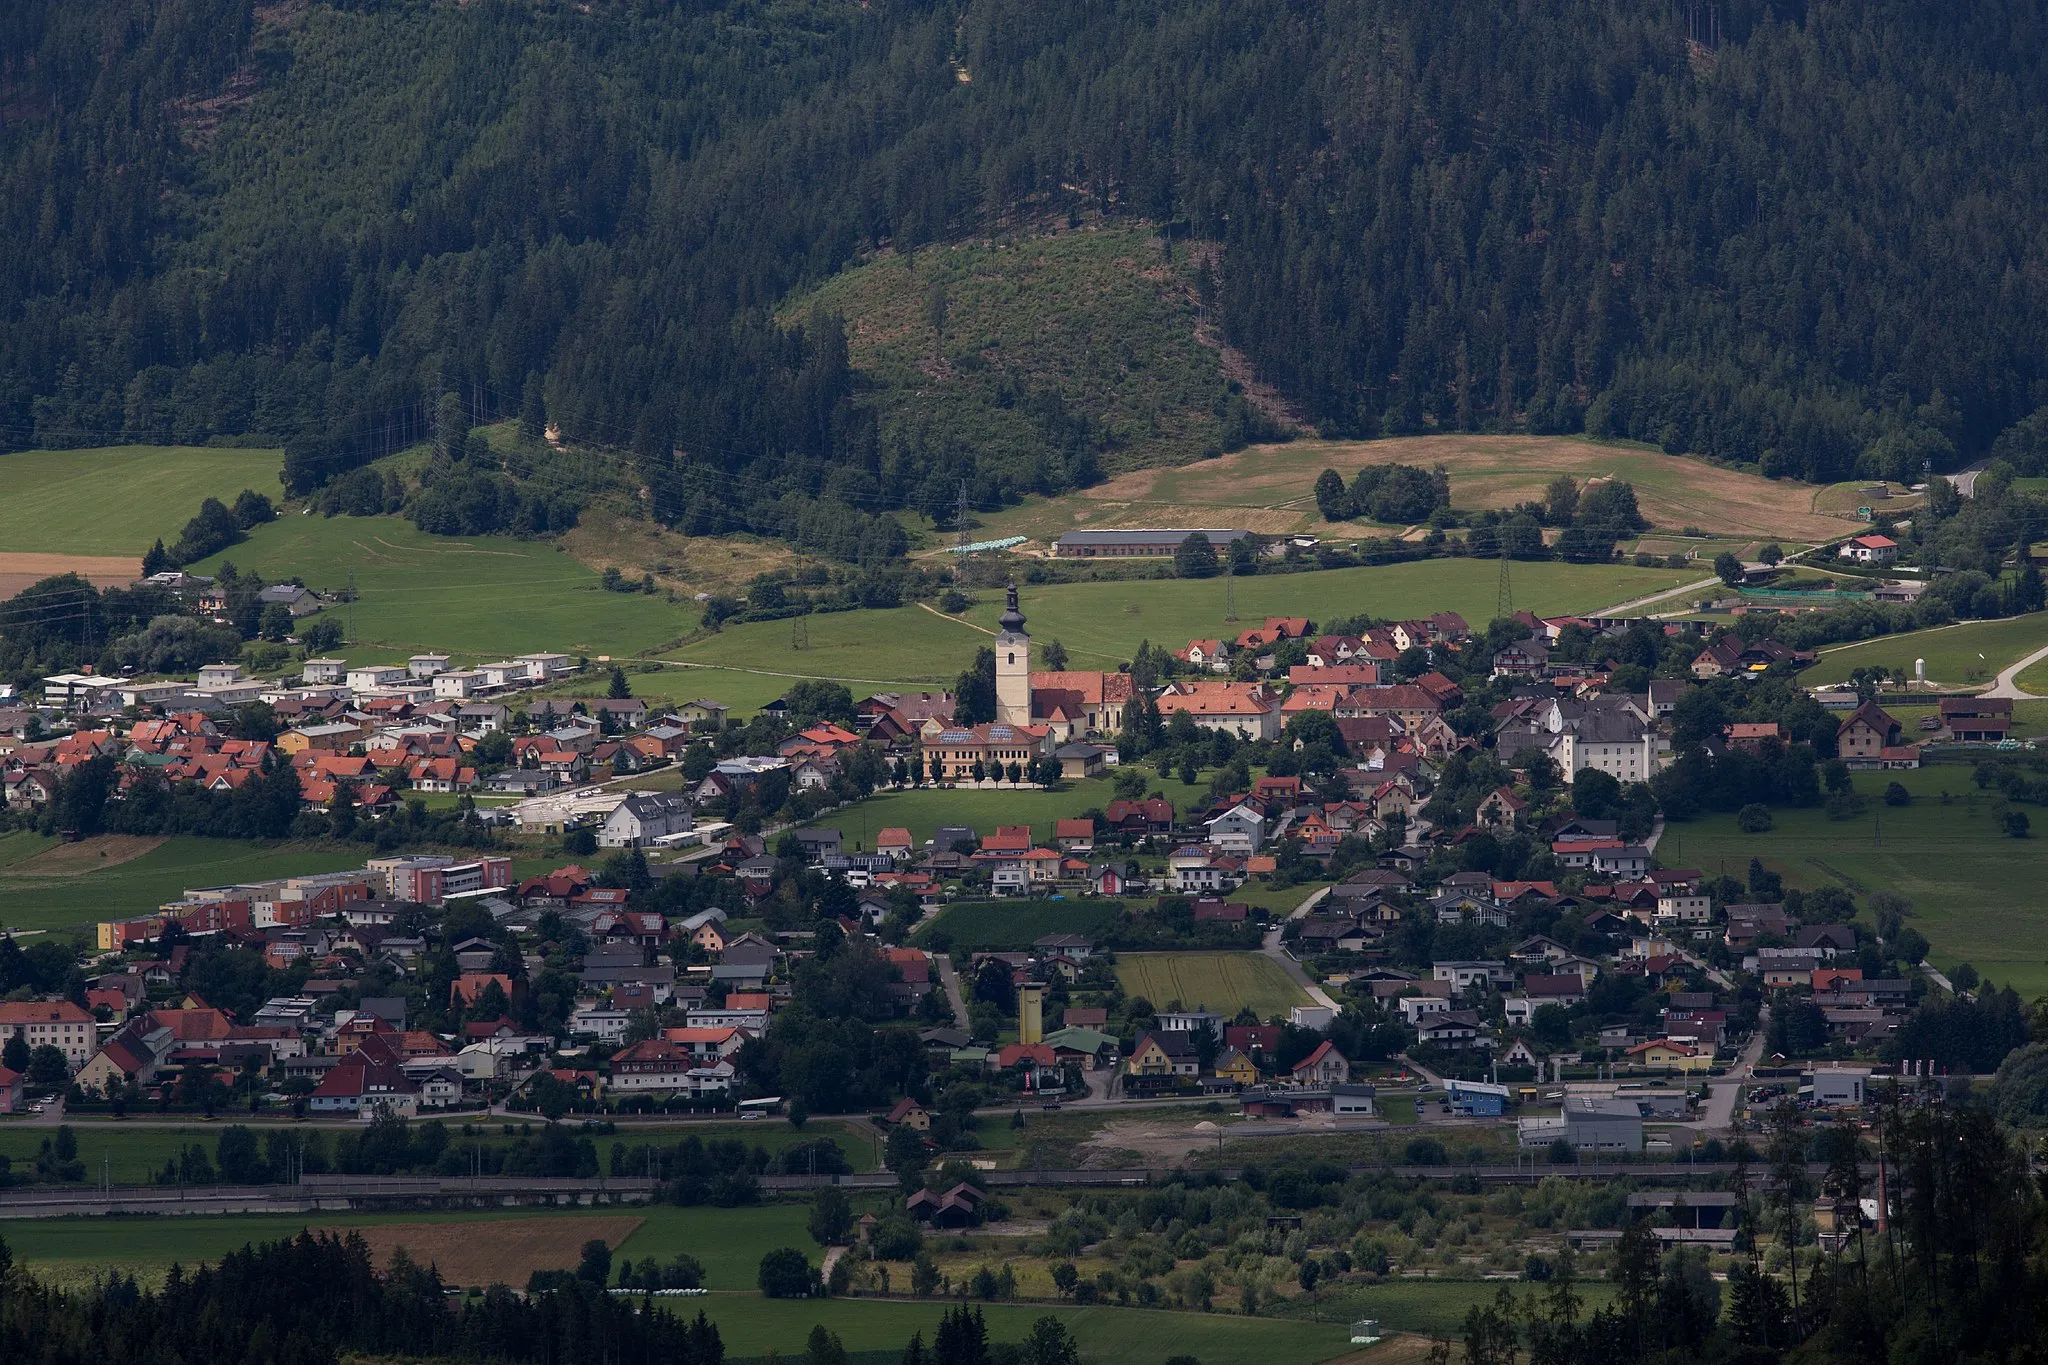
column 87, row 855
column 19, row 569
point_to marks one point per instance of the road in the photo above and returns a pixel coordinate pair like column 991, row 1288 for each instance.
column 1273, row 948
column 1623, row 608
column 950, row 979
column 2008, row 684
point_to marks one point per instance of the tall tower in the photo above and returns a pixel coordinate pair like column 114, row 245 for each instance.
column 1013, row 666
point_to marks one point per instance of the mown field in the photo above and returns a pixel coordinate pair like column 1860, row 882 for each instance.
column 1223, row 982
column 32, row 901
column 480, row 598
column 1271, row 489
column 1975, row 892
column 752, row 1326
column 1957, row 656
column 118, row 500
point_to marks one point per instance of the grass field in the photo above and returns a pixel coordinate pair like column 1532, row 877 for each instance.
column 481, row 598
column 1270, row 489
column 136, row 887
column 1430, row 1307
column 729, row 1242
column 1223, row 982
column 1957, row 656
column 1101, row 623
column 118, row 500
column 1013, row 925
column 2034, row 679
column 922, row 811
column 752, row 1326
column 1975, row 892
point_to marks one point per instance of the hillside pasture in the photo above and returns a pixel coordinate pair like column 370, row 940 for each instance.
column 481, row 597
column 1965, row 655
column 1222, row 982
column 116, row 501
column 1974, row 890
column 1271, row 488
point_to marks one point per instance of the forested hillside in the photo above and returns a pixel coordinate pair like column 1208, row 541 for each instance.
column 1802, row 234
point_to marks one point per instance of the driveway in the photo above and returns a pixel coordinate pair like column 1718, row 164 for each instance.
column 950, row 979
column 1272, row 948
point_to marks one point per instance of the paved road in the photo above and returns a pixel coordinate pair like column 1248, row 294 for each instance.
column 1965, row 479
column 1273, row 948
column 2008, row 678
column 950, row 979
column 1723, row 1095
column 1622, row 608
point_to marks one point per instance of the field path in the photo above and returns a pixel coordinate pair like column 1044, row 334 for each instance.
column 955, row 619
column 1272, row 947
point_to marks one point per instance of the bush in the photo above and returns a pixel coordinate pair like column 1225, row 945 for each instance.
column 1754, row 818
column 953, row 601
column 1426, row 1152
column 2015, row 822
column 1895, row 794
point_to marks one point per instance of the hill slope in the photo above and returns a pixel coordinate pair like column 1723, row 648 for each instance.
column 1799, row 238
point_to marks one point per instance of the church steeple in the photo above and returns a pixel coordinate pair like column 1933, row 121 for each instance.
column 1012, row 620
column 1013, row 666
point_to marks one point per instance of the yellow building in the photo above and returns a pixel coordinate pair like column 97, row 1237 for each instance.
column 1031, row 1014
column 1233, row 1065
column 1671, row 1054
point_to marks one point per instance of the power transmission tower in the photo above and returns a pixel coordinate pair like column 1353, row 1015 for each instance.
column 351, row 606
column 1229, row 590
column 799, row 632
column 1504, row 599
column 966, row 570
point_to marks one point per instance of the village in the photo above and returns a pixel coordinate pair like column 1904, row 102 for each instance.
column 1465, row 928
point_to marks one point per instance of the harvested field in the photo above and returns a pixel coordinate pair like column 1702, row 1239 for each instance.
column 1270, row 489
column 87, row 855
column 1144, row 1142
column 506, row 1251
column 21, row 568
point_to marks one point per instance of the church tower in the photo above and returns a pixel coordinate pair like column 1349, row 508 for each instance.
column 1013, row 666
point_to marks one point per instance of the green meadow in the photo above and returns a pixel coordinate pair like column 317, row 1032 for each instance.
column 1014, row 924
column 1956, row 656
column 481, row 598
column 923, row 810
column 1975, row 892
column 136, row 887
column 118, row 500
column 1101, row 623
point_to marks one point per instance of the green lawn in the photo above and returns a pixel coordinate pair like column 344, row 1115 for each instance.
column 1429, row 1307
column 922, row 811
column 1956, row 655
column 1015, row 924
column 1101, row 623
column 2034, row 679
column 752, row 1326
column 1223, row 982
column 1975, row 892
column 140, row 886
column 480, row 598
column 118, row 500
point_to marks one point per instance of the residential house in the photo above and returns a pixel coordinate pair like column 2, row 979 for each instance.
column 1866, row 734
column 1872, row 549
column 1323, row 1067
column 644, row 818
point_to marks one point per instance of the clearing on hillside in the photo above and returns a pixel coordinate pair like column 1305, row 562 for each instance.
column 1222, row 982
column 1096, row 317
column 118, row 500
column 506, row 1252
column 1271, row 489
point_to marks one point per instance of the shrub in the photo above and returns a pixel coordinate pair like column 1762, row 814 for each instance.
column 2015, row 824
column 1754, row 818
column 1895, row 794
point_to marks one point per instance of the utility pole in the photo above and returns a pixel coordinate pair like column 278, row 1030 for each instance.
column 351, row 606
column 1504, row 599
column 965, row 572
column 1229, row 589
column 799, row 632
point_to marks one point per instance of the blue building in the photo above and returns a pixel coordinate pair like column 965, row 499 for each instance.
column 1477, row 1099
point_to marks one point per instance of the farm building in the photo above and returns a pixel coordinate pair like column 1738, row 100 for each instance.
column 1123, row 544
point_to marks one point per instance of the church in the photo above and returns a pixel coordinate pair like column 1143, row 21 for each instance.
column 1070, row 704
